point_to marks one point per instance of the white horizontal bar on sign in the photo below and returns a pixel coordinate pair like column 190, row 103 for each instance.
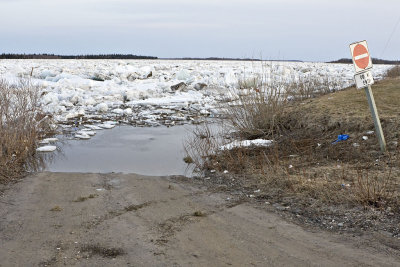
column 361, row 56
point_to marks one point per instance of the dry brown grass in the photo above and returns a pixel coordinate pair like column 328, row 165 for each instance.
column 377, row 190
column 258, row 112
column 20, row 128
column 393, row 72
column 303, row 163
column 201, row 145
column 264, row 100
column 310, row 87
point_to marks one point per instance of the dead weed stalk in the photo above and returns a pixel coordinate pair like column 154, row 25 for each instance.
column 373, row 189
column 21, row 125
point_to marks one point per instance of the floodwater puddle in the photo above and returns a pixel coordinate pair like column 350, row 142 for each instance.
column 126, row 149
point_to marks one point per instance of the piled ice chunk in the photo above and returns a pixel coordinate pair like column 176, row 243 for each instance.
column 135, row 89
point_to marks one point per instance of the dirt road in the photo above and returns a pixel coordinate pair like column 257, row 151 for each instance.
column 64, row 219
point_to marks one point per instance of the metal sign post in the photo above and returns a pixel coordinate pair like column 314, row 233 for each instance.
column 363, row 78
column 375, row 117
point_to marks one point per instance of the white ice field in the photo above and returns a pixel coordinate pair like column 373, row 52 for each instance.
column 153, row 92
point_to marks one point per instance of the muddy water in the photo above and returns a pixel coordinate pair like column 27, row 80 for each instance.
column 126, row 149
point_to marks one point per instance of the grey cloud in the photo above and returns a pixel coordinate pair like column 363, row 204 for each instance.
column 290, row 29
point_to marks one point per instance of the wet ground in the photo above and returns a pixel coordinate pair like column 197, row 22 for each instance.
column 126, row 149
column 89, row 219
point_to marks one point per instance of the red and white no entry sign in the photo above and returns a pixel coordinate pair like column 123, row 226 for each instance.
column 361, row 57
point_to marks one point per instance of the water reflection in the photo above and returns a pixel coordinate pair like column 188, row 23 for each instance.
column 126, row 149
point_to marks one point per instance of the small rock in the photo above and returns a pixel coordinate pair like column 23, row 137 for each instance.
column 199, row 214
column 297, row 211
column 279, row 207
column 179, row 86
column 199, row 86
column 365, row 137
column 340, row 224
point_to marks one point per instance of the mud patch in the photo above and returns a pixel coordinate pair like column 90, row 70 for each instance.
column 115, row 213
column 82, row 199
column 99, row 250
column 136, row 207
column 50, row 262
column 169, row 227
column 56, row 208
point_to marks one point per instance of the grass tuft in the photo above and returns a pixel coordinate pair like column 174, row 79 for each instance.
column 21, row 125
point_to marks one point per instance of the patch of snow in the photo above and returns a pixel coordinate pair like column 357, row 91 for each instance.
column 102, row 107
column 46, row 149
column 86, row 132
column 93, row 127
column 82, row 135
column 247, row 143
column 48, row 140
column 107, row 125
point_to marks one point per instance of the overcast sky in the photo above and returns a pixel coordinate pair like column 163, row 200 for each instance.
column 313, row 30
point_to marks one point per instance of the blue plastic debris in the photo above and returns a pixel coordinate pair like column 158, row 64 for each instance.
column 341, row 137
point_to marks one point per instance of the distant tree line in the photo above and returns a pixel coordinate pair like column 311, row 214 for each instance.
column 374, row 61
column 230, row 59
column 52, row 56
column 217, row 58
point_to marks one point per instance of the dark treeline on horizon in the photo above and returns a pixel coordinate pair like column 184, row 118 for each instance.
column 215, row 58
column 120, row 56
column 229, row 59
column 52, row 56
column 130, row 56
column 374, row 61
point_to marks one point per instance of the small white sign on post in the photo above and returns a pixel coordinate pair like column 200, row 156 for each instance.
column 364, row 79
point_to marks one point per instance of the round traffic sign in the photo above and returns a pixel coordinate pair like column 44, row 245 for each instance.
column 361, row 56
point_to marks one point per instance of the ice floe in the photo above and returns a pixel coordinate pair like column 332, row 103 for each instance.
column 135, row 91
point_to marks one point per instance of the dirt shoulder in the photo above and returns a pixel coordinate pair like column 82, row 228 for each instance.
column 73, row 219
